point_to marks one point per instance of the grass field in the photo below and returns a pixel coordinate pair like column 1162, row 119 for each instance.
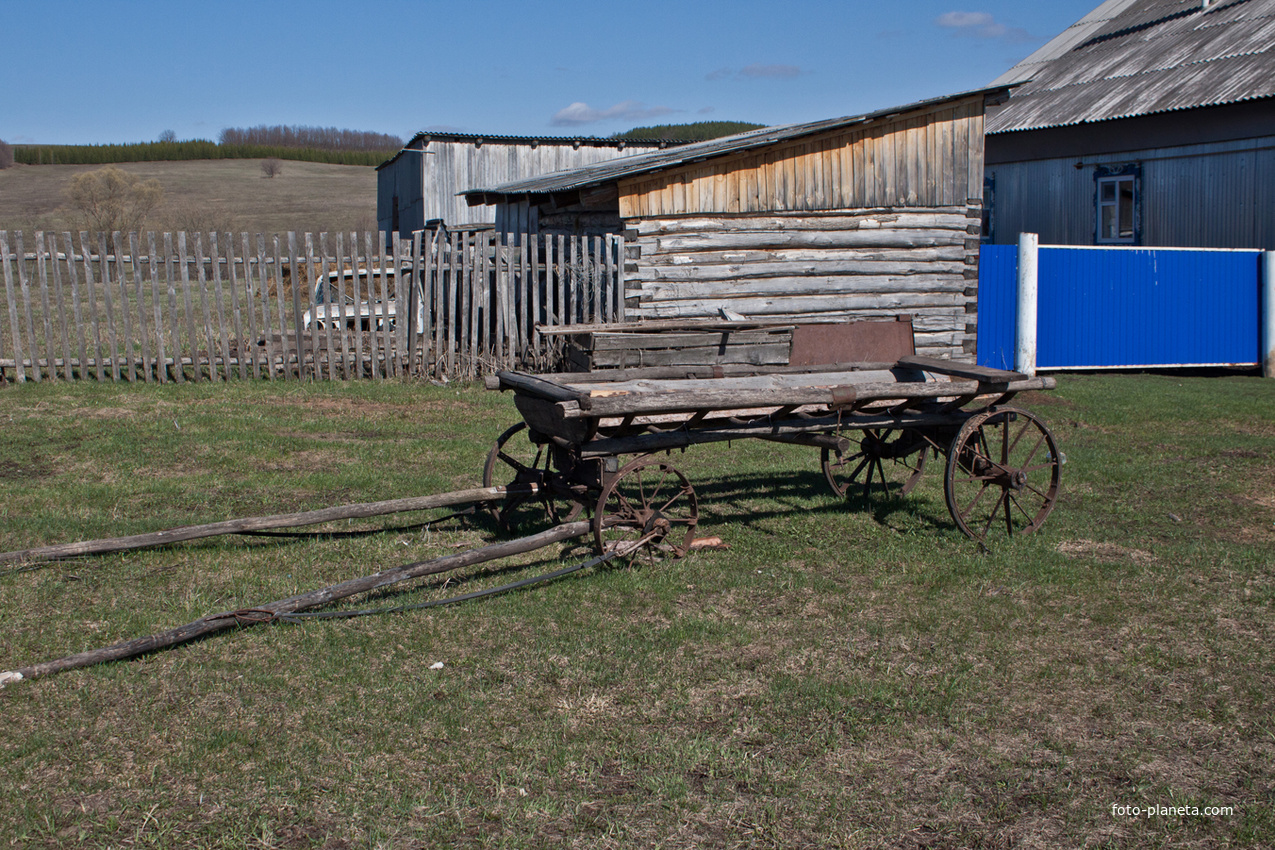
column 225, row 195
column 837, row 678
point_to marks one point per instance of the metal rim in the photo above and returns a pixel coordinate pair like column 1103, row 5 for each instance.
column 647, row 507
column 885, row 459
column 1002, row 472
column 530, row 463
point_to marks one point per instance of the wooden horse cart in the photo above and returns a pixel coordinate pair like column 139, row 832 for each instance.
column 875, row 425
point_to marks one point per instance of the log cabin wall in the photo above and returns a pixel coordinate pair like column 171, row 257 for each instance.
column 874, row 219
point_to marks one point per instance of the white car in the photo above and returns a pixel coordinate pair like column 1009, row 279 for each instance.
column 362, row 314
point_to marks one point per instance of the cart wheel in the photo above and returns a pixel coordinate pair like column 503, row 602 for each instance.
column 530, row 464
column 887, row 459
column 1002, row 469
column 647, row 500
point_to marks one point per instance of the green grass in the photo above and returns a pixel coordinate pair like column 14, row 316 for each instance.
column 836, row 678
column 224, row 195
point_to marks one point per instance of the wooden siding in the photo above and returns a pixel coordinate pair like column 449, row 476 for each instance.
column 861, row 263
column 925, row 159
column 426, row 181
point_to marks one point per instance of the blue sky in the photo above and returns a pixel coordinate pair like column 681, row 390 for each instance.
column 100, row 71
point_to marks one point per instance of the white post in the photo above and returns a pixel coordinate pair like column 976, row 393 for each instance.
column 1268, row 314
column 1028, row 281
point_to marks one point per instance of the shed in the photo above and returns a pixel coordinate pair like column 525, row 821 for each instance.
column 1147, row 122
column 422, row 182
column 866, row 216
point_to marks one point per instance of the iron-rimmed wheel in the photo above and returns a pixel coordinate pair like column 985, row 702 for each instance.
column 530, row 464
column 886, row 459
column 647, row 506
column 1002, row 471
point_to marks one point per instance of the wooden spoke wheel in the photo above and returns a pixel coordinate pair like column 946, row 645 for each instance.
column 1002, row 473
column 885, row 459
column 647, row 507
column 529, row 463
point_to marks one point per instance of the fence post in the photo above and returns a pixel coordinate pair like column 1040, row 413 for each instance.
column 1028, row 284
column 1268, row 314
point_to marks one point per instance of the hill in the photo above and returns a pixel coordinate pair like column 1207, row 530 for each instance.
column 696, row 132
column 221, row 194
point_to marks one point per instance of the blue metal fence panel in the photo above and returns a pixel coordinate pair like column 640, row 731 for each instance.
column 1146, row 307
column 997, row 305
column 1124, row 307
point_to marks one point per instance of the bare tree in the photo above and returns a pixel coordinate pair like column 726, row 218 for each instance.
column 6, row 154
column 168, row 136
column 113, row 199
column 272, row 166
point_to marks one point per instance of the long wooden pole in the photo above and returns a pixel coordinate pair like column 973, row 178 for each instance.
column 236, row 526
column 313, row 599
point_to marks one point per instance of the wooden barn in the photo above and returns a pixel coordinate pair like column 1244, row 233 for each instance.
column 1147, row 122
column 422, row 182
column 867, row 216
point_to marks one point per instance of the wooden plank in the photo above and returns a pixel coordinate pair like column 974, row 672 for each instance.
column 298, row 314
column 455, row 320
column 285, row 355
column 266, row 334
column 139, row 290
column 126, row 314
column 537, row 386
column 730, row 338
column 201, row 277
column 346, row 366
column 192, row 339
column 157, row 309
column 729, row 289
column 475, row 296
column 109, row 305
column 309, row 302
column 15, row 333
column 174, row 318
column 653, row 274
column 365, row 361
column 324, row 279
column 961, row 370
column 419, row 312
column 533, row 295
column 90, row 294
column 59, row 298
column 403, row 285
column 243, row 353
column 520, row 303
column 774, row 354
column 46, row 313
column 77, row 314
column 438, row 289
column 778, row 306
column 592, row 276
column 219, row 302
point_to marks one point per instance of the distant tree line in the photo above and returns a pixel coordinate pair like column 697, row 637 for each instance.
column 696, row 132
column 194, row 149
column 323, row 138
column 308, row 144
column 6, row 154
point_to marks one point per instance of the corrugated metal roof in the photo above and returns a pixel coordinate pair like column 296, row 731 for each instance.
column 425, row 136
column 629, row 166
column 1138, row 57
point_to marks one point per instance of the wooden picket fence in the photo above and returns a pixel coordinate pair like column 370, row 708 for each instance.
column 208, row 306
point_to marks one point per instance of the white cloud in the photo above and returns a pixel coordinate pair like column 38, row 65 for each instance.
column 981, row 25
column 629, row 110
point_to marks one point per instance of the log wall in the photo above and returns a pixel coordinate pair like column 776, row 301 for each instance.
column 862, row 263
